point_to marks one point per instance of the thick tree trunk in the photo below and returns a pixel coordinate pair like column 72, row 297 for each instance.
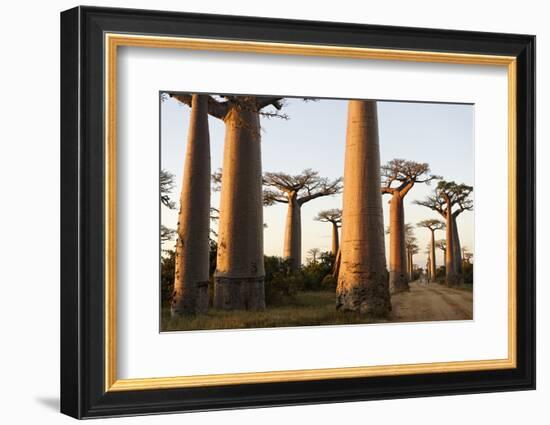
column 457, row 250
column 363, row 277
column 451, row 276
column 337, row 261
column 399, row 273
column 432, row 265
column 293, row 234
column 335, row 239
column 239, row 276
column 190, row 294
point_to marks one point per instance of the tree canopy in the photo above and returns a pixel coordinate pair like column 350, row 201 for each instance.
column 449, row 194
column 305, row 186
column 410, row 239
column 441, row 244
column 219, row 106
column 400, row 175
column 432, row 224
column 333, row 216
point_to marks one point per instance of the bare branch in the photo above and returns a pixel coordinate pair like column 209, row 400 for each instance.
column 432, row 224
column 406, row 174
column 263, row 101
column 303, row 187
column 448, row 195
column 166, row 187
column 271, row 197
column 166, row 234
column 333, row 216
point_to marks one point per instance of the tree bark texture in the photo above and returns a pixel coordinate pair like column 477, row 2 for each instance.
column 239, row 276
column 335, row 239
column 293, row 234
column 191, row 279
column 363, row 277
column 432, row 262
column 399, row 273
column 457, row 249
column 451, row 277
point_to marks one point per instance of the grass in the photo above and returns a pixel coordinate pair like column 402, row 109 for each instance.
column 308, row 308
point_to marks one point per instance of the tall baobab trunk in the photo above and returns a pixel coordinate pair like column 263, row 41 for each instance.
column 363, row 277
column 451, row 276
column 432, row 263
column 192, row 246
column 293, row 234
column 239, row 276
column 399, row 273
column 337, row 261
column 409, row 265
column 457, row 250
column 335, row 239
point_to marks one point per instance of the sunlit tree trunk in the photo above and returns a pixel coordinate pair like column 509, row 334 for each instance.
column 337, row 262
column 190, row 294
column 432, row 264
column 399, row 274
column 239, row 276
column 363, row 277
column 451, row 276
column 335, row 239
column 457, row 250
column 293, row 233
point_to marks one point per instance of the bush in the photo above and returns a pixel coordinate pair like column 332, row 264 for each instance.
column 468, row 272
column 329, row 282
column 315, row 272
column 440, row 274
column 281, row 285
column 167, row 271
column 282, row 288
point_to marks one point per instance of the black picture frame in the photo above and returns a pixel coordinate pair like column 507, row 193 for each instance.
column 83, row 392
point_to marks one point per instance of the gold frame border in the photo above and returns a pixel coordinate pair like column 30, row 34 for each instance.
column 113, row 41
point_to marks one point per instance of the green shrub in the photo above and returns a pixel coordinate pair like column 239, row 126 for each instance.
column 167, row 270
column 440, row 274
column 468, row 272
column 329, row 282
column 314, row 272
column 282, row 288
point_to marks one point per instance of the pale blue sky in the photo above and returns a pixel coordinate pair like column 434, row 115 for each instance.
column 314, row 137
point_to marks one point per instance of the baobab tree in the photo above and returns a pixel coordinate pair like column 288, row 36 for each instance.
column 239, row 276
column 296, row 191
column 432, row 225
column 442, row 245
column 429, row 275
column 192, row 243
column 334, row 217
column 313, row 254
column 363, row 276
column 450, row 200
column 411, row 248
column 398, row 178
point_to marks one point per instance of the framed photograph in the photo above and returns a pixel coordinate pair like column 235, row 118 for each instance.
column 261, row 212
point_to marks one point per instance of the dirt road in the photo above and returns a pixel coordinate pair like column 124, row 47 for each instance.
column 430, row 302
